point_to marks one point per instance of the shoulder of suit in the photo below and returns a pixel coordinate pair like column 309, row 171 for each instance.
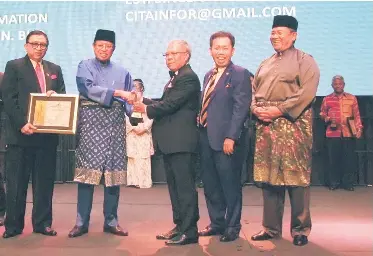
column 239, row 68
column 50, row 63
column 188, row 71
column 16, row 61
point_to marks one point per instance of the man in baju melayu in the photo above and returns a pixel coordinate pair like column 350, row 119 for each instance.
column 100, row 149
column 284, row 88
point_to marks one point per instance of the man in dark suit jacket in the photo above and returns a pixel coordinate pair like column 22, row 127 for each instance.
column 2, row 190
column 175, row 135
column 225, row 101
column 28, row 152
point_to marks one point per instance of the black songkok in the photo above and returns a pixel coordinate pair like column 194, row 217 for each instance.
column 105, row 35
column 285, row 21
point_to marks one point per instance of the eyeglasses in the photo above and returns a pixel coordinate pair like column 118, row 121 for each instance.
column 35, row 45
column 173, row 54
column 102, row 46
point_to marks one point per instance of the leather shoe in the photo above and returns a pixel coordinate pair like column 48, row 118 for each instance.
column 47, row 231
column 209, row 231
column 300, row 240
column 169, row 235
column 1, row 221
column 349, row 188
column 9, row 234
column 229, row 237
column 77, row 231
column 182, row 240
column 117, row 230
column 333, row 187
column 261, row 236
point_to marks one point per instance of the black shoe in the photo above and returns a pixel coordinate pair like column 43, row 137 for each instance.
column 47, row 231
column 117, row 230
column 261, row 236
column 229, row 237
column 169, row 235
column 9, row 234
column 182, row 240
column 1, row 221
column 209, row 231
column 349, row 188
column 333, row 187
column 300, row 240
column 77, row 231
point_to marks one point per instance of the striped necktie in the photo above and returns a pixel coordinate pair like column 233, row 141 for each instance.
column 206, row 99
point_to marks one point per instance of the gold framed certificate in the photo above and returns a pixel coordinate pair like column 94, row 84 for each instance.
column 55, row 114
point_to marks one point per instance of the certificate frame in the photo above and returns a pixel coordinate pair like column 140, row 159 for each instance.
column 39, row 116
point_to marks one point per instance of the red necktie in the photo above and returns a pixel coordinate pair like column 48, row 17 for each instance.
column 40, row 76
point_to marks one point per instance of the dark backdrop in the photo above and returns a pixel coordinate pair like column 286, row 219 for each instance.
column 363, row 163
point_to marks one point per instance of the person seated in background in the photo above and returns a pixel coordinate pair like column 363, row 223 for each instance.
column 139, row 145
column 340, row 111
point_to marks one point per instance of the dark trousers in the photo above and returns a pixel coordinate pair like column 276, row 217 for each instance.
column 20, row 162
column 84, row 207
column 273, row 210
column 221, row 176
column 342, row 161
column 2, row 197
column 180, row 176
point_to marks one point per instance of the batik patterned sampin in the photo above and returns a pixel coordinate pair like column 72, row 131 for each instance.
column 283, row 150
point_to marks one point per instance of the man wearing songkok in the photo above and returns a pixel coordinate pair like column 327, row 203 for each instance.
column 284, row 88
column 100, row 150
column 340, row 111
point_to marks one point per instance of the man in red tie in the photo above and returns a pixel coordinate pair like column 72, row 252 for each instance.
column 28, row 152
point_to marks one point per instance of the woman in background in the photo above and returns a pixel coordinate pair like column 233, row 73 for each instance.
column 139, row 147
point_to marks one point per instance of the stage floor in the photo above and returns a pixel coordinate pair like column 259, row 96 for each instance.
column 342, row 225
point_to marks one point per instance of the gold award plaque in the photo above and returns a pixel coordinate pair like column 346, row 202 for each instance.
column 54, row 114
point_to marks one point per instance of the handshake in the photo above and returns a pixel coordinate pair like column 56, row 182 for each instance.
column 138, row 107
column 133, row 99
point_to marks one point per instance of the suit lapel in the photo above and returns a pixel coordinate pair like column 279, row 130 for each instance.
column 223, row 80
column 169, row 86
column 30, row 72
column 47, row 75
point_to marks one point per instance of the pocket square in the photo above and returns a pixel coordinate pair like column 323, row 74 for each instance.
column 53, row 76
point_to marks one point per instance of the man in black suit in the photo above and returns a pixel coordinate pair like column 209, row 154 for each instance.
column 2, row 190
column 26, row 151
column 175, row 135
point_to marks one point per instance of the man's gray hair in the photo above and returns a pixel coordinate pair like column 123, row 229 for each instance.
column 338, row 77
column 185, row 44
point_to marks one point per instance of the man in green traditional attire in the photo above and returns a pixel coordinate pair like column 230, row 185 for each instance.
column 284, row 88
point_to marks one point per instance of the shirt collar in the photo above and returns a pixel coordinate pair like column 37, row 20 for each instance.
column 284, row 53
column 342, row 95
column 34, row 63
